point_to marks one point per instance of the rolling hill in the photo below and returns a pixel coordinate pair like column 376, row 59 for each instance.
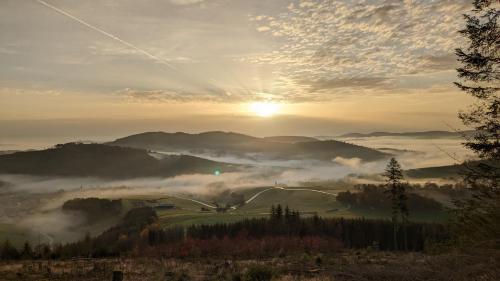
column 425, row 134
column 290, row 139
column 104, row 161
column 228, row 143
column 448, row 171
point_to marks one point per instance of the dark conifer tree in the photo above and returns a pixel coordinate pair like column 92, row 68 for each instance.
column 478, row 219
column 279, row 212
column 287, row 214
column 27, row 251
column 394, row 176
column 404, row 212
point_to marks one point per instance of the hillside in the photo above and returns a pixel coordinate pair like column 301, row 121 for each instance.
column 3, row 152
column 98, row 160
column 228, row 143
column 290, row 139
column 449, row 171
column 425, row 134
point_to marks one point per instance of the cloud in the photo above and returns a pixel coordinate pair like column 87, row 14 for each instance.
column 440, row 62
column 185, row 2
column 361, row 82
column 344, row 44
column 6, row 91
column 263, row 28
column 353, row 163
column 178, row 95
column 291, row 50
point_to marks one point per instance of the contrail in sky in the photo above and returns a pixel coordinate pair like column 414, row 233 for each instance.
column 95, row 28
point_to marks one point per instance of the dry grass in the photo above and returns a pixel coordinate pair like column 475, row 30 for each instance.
column 344, row 266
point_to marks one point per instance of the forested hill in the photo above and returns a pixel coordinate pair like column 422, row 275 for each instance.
column 105, row 161
column 448, row 171
column 220, row 143
column 420, row 135
column 290, row 139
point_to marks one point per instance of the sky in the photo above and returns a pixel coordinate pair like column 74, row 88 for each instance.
column 102, row 69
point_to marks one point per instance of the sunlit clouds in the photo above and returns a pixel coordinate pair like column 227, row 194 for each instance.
column 138, row 59
column 360, row 46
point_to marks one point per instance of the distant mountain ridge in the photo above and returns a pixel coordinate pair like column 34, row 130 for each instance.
column 228, row 143
column 447, row 171
column 290, row 139
column 105, row 161
column 423, row 134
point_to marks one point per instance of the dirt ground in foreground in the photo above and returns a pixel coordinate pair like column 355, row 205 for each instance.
column 351, row 265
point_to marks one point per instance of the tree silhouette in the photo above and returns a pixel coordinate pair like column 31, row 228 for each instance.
column 396, row 190
column 279, row 212
column 27, row 251
column 478, row 218
column 404, row 212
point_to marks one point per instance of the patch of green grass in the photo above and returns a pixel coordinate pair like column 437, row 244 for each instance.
column 303, row 201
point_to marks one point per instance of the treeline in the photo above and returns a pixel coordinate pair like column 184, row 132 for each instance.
column 454, row 191
column 352, row 233
column 376, row 197
column 94, row 209
column 283, row 232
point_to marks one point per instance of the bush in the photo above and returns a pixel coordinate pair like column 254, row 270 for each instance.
column 258, row 273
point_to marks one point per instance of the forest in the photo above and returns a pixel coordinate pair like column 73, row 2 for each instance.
column 285, row 231
column 375, row 197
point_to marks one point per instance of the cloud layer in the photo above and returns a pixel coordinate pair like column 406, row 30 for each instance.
column 362, row 44
column 231, row 51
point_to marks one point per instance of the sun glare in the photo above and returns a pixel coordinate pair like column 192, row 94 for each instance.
column 264, row 109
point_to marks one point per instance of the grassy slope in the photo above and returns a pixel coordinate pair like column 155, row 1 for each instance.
column 187, row 213
column 308, row 203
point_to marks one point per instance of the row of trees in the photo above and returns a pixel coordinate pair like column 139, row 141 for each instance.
column 352, row 233
column 10, row 252
column 372, row 196
column 287, row 215
column 140, row 233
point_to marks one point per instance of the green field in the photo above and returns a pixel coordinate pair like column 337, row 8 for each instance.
column 307, row 203
column 187, row 212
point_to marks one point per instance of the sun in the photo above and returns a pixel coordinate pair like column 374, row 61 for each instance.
column 264, row 109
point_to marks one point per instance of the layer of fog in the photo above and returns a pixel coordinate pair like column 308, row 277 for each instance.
column 411, row 153
column 46, row 195
column 418, row 153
